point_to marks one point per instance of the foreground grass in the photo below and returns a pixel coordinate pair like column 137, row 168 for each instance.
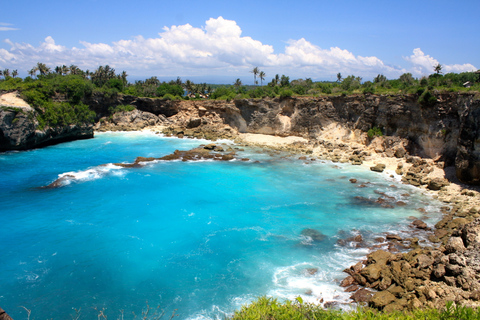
column 272, row 309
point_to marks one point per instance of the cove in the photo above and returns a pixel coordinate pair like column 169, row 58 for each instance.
column 201, row 238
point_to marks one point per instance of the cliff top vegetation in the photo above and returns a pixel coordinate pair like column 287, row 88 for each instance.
column 59, row 95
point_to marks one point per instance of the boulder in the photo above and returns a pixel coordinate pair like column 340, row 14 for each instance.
column 378, row 168
column 380, row 299
column 362, row 295
column 437, row 183
column 454, row 245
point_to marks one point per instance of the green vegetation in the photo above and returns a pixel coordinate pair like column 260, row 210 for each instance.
column 374, row 132
column 272, row 309
column 60, row 94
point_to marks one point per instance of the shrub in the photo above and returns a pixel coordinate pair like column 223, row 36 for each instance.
column 286, row 93
column 427, row 99
column 121, row 108
column 374, row 132
column 168, row 96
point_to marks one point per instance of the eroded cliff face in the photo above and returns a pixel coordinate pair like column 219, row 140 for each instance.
column 19, row 129
column 447, row 131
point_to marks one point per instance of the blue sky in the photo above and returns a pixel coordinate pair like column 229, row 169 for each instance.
column 219, row 41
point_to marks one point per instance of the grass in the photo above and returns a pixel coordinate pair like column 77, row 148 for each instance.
column 272, row 309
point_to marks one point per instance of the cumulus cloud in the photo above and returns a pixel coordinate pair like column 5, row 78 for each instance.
column 218, row 48
column 423, row 64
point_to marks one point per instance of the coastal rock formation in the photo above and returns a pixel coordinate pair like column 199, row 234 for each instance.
column 445, row 132
column 19, row 128
column 130, row 121
column 423, row 276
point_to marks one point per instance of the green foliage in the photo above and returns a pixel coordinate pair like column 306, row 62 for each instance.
column 427, row 99
column 170, row 89
column 374, row 132
column 286, row 93
column 168, row 96
column 57, row 114
column 272, row 309
column 121, row 108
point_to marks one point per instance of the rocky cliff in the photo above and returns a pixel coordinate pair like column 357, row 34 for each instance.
column 446, row 131
column 19, row 128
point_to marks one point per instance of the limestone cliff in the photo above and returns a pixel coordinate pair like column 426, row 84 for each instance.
column 446, row 131
column 19, row 128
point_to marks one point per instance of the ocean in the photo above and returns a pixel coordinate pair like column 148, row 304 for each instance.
column 198, row 239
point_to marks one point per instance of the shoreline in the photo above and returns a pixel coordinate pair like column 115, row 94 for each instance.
column 428, row 287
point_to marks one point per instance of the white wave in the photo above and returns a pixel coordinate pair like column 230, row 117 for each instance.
column 89, row 174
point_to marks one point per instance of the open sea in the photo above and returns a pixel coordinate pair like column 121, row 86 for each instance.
column 200, row 239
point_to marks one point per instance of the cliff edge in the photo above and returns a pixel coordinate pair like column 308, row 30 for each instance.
column 20, row 130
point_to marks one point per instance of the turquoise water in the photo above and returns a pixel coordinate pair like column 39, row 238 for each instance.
column 199, row 237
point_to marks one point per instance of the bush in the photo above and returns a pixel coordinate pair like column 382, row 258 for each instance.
column 286, row 93
column 427, row 99
column 121, row 108
column 374, row 132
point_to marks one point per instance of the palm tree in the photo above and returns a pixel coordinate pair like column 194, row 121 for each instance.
column 42, row 68
column 255, row 71
column 32, row 72
column 262, row 77
column 438, row 68
column 124, row 76
column 15, row 73
column 238, row 83
column 339, row 77
column 6, row 73
column 1, row 73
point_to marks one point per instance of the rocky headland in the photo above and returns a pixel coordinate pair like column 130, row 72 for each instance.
column 20, row 129
column 434, row 147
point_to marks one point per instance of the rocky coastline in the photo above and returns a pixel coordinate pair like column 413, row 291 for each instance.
column 430, row 147
column 421, row 273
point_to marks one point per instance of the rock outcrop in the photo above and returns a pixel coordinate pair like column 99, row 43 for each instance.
column 446, row 132
column 19, row 128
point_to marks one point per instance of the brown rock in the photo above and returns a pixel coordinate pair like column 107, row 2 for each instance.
column 372, row 272
column 378, row 168
column 424, row 261
column 439, row 271
column 380, row 299
column 347, row 282
column 362, row 295
column 437, row 183
column 454, row 244
column 419, row 224
column 352, row 288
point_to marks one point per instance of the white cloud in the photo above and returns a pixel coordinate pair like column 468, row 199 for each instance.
column 7, row 27
column 216, row 49
column 423, row 64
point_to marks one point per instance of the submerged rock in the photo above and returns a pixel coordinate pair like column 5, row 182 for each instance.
column 315, row 235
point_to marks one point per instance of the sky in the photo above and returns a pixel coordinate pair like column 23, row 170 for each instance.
column 220, row 41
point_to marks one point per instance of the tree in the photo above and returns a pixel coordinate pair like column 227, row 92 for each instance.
column 262, row 77
column 255, row 71
column 407, row 79
column 284, row 81
column 32, row 72
column 438, row 68
column 238, row 83
column 380, row 79
column 6, row 73
column 42, row 68
column 15, row 73
column 339, row 77
column 124, row 76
